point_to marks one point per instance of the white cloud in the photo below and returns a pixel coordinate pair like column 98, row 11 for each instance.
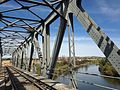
column 82, row 49
column 109, row 9
column 110, row 29
column 84, row 46
column 7, row 5
column 39, row 9
column 75, row 39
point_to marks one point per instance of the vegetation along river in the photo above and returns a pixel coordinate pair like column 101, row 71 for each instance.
column 113, row 83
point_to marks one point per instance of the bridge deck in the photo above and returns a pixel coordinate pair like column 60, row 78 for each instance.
column 23, row 79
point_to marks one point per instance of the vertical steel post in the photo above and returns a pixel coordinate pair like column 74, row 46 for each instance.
column 31, row 53
column 21, row 64
column 25, row 56
column 13, row 58
column 71, row 40
column 17, row 58
column 46, row 49
column 43, row 66
column 72, row 63
column 48, row 45
column 0, row 53
column 37, row 47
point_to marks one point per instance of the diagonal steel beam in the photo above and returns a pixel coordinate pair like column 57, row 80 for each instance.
column 106, row 45
column 59, row 40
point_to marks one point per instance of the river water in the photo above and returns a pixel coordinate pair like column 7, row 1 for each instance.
column 113, row 83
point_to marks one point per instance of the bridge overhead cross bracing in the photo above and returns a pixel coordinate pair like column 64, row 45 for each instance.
column 22, row 22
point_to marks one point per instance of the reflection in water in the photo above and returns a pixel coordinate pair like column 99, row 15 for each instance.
column 85, row 67
column 112, row 81
column 94, row 79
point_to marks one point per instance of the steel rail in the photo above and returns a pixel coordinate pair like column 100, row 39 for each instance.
column 12, row 79
column 36, row 82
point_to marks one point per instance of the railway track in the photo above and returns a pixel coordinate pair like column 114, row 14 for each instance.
column 17, row 85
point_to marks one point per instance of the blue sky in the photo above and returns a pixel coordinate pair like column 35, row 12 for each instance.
column 106, row 13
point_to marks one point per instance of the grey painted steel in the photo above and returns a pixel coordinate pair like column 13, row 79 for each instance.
column 24, row 57
column 2, row 1
column 51, row 18
column 15, row 55
column 16, row 63
column 13, row 58
column 72, row 63
column 43, row 66
column 0, row 53
column 31, row 56
column 20, row 57
column 62, row 10
column 40, row 84
column 37, row 48
column 58, row 41
column 46, row 49
column 21, row 64
column 71, row 40
column 48, row 46
column 106, row 45
column 46, row 84
column 16, row 84
column 27, row 55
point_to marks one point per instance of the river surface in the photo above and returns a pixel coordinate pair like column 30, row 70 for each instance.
column 113, row 83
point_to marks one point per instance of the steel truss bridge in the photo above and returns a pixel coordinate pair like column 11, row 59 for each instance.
column 20, row 33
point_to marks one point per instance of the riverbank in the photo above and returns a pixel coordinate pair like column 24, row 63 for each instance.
column 106, row 68
column 62, row 66
column 93, row 69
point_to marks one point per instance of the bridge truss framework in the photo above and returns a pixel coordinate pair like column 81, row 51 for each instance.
column 19, row 36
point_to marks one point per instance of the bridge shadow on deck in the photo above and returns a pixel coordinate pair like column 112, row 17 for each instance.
column 15, row 82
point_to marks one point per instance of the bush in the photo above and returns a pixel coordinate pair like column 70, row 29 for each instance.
column 105, row 67
column 38, row 69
